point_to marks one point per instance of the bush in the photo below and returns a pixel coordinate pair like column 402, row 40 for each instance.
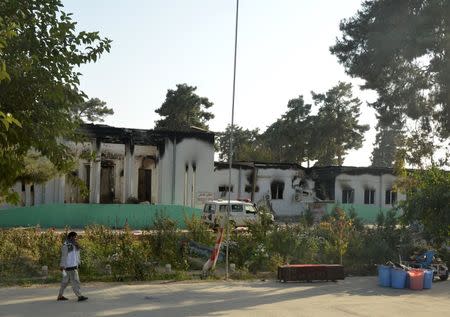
column 262, row 248
column 165, row 242
column 198, row 231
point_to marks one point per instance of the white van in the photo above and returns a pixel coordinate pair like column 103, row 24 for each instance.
column 215, row 212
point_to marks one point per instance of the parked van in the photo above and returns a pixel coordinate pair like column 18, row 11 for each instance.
column 215, row 212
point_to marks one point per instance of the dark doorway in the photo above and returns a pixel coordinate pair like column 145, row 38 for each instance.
column 88, row 181
column 145, row 185
column 107, row 184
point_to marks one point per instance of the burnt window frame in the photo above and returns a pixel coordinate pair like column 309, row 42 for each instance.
column 369, row 196
column 349, row 195
column 277, row 189
column 390, row 197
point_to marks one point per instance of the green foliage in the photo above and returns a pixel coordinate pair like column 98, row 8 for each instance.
column 295, row 244
column 336, row 126
column 290, row 137
column 247, row 145
column 400, row 49
column 198, row 231
column 7, row 31
column 24, row 251
column 262, row 248
column 78, row 183
column 183, row 108
column 428, row 202
column 38, row 169
column 98, row 245
column 298, row 136
column 49, row 248
column 41, row 52
column 338, row 229
column 10, row 163
column 307, row 218
column 388, row 141
column 164, row 242
column 127, row 256
column 92, row 110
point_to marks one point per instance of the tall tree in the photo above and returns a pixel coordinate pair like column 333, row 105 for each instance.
column 387, row 141
column 289, row 138
column 336, row 127
column 428, row 201
column 183, row 108
column 39, row 55
column 247, row 145
column 92, row 110
column 401, row 49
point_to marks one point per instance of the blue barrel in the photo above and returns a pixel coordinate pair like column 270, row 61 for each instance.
column 398, row 278
column 427, row 278
column 384, row 275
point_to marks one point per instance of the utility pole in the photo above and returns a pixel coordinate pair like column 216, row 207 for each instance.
column 230, row 155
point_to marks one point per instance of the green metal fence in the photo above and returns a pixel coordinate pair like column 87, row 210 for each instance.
column 136, row 216
column 367, row 213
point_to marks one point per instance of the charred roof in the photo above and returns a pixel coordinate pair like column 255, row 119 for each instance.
column 257, row 164
column 109, row 134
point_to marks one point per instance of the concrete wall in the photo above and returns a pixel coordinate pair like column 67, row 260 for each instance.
column 359, row 183
column 287, row 206
column 186, row 172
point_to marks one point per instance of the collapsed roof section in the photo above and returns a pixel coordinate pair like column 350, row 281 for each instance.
column 329, row 171
column 256, row 164
column 115, row 135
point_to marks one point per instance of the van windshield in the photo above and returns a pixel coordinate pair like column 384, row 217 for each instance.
column 209, row 208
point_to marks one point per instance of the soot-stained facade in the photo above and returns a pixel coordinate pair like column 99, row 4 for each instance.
column 120, row 165
column 290, row 189
column 286, row 189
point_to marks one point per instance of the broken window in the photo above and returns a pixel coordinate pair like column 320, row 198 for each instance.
column 277, row 189
column 369, row 196
column 87, row 168
column 223, row 190
column 391, row 197
column 348, row 196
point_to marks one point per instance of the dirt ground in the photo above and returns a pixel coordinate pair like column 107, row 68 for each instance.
column 355, row 296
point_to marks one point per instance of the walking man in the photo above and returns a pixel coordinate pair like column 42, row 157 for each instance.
column 70, row 260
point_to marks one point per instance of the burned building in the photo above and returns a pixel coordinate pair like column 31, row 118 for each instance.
column 119, row 165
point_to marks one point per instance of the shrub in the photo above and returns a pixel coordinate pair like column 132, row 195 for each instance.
column 165, row 242
column 198, row 231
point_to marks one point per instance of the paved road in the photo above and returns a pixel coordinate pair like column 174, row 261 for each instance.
column 356, row 296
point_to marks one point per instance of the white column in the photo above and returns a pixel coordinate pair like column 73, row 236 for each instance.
column 62, row 189
column 94, row 185
column 38, row 194
column 27, row 195
column 193, row 192
column 128, row 171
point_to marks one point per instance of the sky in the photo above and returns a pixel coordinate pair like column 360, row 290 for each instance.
column 283, row 52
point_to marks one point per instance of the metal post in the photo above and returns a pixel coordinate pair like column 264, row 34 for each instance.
column 230, row 154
